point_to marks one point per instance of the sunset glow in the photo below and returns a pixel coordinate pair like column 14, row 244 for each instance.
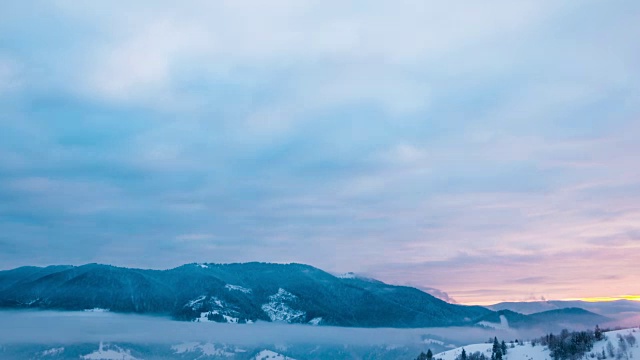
column 607, row 298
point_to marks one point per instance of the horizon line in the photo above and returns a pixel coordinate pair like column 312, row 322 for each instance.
column 585, row 299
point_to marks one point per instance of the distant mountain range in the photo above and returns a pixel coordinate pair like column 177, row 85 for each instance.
column 614, row 309
column 559, row 318
column 249, row 292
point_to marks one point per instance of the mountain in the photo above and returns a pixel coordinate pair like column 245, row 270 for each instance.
column 291, row 293
column 559, row 318
column 569, row 316
column 525, row 307
column 613, row 309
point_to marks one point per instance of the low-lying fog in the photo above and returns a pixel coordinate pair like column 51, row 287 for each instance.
column 74, row 327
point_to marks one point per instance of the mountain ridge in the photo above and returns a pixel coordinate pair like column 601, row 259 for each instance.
column 249, row 292
column 620, row 310
column 236, row 292
column 567, row 317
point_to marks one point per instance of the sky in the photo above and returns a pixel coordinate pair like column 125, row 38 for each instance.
column 485, row 149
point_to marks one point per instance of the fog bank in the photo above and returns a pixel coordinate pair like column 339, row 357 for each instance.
column 74, row 327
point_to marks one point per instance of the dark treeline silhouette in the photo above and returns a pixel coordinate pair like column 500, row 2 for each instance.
column 427, row 356
column 571, row 345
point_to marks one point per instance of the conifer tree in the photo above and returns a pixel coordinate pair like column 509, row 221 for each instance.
column 496, row 345
column 610, row 349
column 496, row 353
column 598, row 333
column 427, row 356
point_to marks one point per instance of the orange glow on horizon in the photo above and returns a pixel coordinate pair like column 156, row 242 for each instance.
column 586, row 299
column 608, row 298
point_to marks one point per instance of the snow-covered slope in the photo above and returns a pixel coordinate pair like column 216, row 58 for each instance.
column 109, row 353
column 52, row 352
column 526, row 352
column 632, row 351
column 207, row 349
column 539, row 352
column 279, row 310
column 270, row 355
column 231, row 287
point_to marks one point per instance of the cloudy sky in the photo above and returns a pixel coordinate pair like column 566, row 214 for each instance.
column 487, row 149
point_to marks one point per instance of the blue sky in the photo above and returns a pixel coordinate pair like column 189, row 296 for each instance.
column 486, row 149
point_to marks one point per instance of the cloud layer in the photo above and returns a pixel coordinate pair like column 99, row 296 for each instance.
column 488, row 150
column 34, row 328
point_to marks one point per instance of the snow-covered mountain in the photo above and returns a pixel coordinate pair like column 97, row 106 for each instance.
column 233, row 293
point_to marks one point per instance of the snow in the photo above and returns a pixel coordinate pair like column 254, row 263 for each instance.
column 279, row 311
column 432, row 341
column 97, row 310
column 53, row 352
column 612, row 336
column 206, row 349
column 237, row 288
column 271, row 355
column 230, row 319
column 204, row 266
column 109, row 354
column 192, row 304
column 315, row 321
column 539, row 352
column 211, row 350
column 222, row 310
column 185, row 347
column 526, row 352
column 203, row 317
column 348, row 275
